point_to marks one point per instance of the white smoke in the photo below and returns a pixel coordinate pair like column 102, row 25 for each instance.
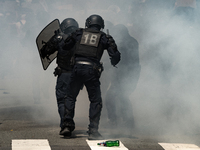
column 166, row 99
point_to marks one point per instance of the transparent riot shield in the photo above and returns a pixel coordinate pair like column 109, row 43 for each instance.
column 44, row 36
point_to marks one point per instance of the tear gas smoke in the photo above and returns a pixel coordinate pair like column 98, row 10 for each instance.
column 166, row 98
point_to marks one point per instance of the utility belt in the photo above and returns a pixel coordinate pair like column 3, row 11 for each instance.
column 97, row 67
column 58, row 71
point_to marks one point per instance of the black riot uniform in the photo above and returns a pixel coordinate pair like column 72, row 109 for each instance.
column 90, row 45
column 64, row 68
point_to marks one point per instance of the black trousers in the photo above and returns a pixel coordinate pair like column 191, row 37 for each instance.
column 84, row 75
column 61, row 91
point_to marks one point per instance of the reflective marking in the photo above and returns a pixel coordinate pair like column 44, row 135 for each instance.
column 30, row 144
column 179, row 146
column 93, row 145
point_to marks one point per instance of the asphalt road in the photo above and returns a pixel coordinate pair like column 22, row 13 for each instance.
column 27, row 121
column 17, row 123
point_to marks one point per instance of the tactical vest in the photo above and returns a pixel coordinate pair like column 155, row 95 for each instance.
column 90, row 45
column 63, row 61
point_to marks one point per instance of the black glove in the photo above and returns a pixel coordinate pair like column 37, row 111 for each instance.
column 116, row 58
column 55, row 39
column 52, row 44
column 57, row 71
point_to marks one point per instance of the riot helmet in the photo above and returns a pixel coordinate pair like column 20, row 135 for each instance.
column 69, row 25
column 94, row 20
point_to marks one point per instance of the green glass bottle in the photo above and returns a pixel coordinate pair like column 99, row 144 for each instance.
column 109, row 143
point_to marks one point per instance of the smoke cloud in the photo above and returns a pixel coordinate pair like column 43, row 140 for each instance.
column 166, row 98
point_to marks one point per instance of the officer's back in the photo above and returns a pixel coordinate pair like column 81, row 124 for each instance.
column 90, row 44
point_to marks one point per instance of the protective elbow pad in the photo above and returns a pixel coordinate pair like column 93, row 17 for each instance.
column 111, row 42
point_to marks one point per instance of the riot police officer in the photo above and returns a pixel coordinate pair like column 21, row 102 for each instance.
column 90, row 45
column 123, row 81
column 64, row 68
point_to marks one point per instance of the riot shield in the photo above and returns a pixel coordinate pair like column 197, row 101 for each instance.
column 44, row 36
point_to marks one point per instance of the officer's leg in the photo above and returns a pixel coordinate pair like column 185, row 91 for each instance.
column 94, row 92
column 73, row 89
column 93, row 89
column 61, row 90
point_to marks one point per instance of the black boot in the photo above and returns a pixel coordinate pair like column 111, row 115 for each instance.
column 65, row 132
column 67, row 128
